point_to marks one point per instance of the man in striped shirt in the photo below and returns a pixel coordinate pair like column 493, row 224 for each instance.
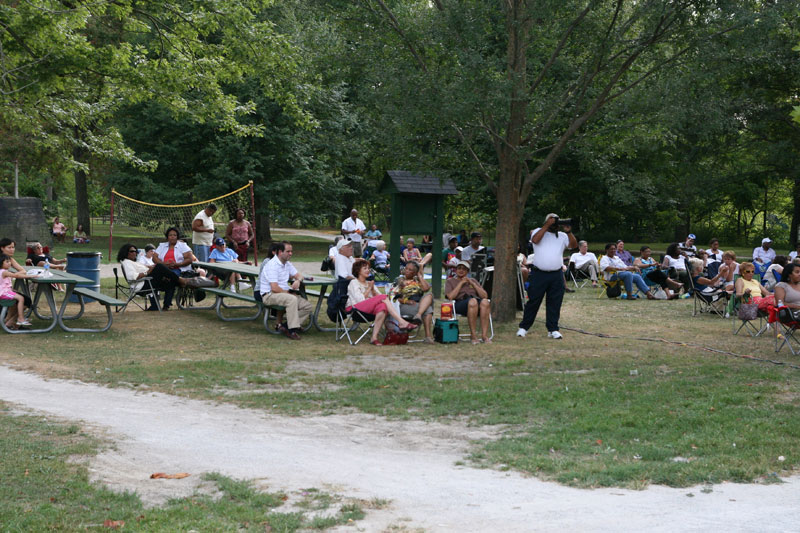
column 274, row 288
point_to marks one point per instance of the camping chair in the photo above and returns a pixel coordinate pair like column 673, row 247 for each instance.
column 146, row 290
column 579, row 278
column 747, row 325
column 605, row 282
column 706, row 301
column 478, row 325
column 354, row 325
column 786, row 325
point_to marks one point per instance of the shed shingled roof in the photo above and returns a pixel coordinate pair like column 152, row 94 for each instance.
column 410, row 182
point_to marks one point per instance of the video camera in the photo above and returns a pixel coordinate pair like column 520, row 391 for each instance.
column 559, row 223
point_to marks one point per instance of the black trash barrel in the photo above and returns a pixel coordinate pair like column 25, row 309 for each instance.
column 86, row 264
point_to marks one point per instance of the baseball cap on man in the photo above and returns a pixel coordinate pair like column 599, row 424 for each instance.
column 342, row 243
column 219, row 241
column 463, row 264
column 765, row 240
column 692, row 236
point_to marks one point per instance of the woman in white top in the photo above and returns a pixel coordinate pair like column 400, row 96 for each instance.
column 773, row 274
column 164, row 279
column 363, row 296
column 675, row 262
column 174, row 254
column 714, row 253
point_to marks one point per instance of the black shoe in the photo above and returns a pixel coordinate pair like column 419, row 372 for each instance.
column 152, row 308
column 569, row 290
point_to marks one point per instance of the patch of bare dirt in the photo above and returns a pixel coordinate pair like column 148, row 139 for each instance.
column 361, row 365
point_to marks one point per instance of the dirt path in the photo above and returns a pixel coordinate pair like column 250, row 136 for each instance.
column 412, row 464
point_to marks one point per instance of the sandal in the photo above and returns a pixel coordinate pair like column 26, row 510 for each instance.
column 24, row 323
column 475, row 341
column 410, row 327
column 376, row 342
column 416, row 319
column 428, row 340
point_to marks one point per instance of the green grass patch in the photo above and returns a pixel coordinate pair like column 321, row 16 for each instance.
column 586, row 411
column 45, row 488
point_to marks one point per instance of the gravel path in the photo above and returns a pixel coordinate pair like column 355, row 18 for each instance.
column 412, row 464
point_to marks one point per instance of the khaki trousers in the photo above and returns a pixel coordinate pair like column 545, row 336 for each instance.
column 297, row 308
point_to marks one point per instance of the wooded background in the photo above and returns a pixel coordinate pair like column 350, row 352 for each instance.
column 644, row 120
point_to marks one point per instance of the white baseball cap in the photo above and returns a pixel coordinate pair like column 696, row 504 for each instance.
column 342, row 243
column 765, row 240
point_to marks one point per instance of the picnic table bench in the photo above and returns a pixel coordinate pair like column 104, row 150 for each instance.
column 107, row 301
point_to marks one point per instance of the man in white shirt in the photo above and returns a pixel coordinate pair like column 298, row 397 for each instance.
column 474, row 247
column 547, row 277
column 274, row 288
column 615, row 269
column 764, row 253
column 585, row 261
column 344, row 259
column 353, row 228
column 203, row 232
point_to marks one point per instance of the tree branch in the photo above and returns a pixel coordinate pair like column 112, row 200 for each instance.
column 395, row 24
column 483, row 172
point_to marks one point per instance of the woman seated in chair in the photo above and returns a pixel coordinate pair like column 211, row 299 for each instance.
column 38, row 258
column 471, row 301
column 773, row 274
column 747, row 287
column 164, row 279
column 788, row 290
column 614, row 269
column 653, row 275
column 675, row 264
column 363, row 296
column 412, row 292
column 380, row 258
column 703, row 284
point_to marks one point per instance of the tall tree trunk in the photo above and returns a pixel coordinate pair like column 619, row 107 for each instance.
column 509, row 217
column 795, row 212
column 261, row 223
column 81, row 187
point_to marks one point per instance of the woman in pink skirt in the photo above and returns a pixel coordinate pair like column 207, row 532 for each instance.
column 362, row 295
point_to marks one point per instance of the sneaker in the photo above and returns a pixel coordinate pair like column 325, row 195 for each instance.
column 292, row 335
column 244, row 286
column 685, row 295
column 232, row 288
column 554, row 335
column 521, row 332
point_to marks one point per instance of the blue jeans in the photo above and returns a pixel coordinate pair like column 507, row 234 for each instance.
column 628, row 279
column 201, row 252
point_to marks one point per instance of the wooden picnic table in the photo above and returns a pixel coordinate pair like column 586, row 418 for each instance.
column 44, row 287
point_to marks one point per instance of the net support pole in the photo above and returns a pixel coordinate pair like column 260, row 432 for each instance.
column 111, row 227
column 253, row 225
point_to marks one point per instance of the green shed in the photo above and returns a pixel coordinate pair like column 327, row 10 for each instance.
column 417, row 208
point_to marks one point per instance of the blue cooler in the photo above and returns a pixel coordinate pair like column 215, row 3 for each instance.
column 86, row 264
column 445, row 331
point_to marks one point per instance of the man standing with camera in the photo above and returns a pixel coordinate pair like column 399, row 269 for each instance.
column 547, row 277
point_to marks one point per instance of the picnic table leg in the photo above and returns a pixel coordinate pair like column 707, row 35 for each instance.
column 41, row 287
column 315, row 315
column 83, row 330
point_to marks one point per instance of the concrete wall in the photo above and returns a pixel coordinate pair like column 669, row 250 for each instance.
column 22, row 219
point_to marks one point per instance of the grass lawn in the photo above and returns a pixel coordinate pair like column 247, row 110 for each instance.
column 46, row 487
column 586, row 411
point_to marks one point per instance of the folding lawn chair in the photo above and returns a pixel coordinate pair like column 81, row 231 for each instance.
column 354, row 325
column 786, row 326
column 145, row 290
column 579, row 278
column 708, row 301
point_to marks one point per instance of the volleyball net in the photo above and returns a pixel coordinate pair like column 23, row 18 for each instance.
column 140, row 220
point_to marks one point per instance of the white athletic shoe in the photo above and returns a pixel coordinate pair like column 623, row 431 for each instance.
column 554, row 335
column 232, row 288
column 521, row 332
column 244, row 285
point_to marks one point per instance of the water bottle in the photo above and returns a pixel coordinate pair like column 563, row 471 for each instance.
column 47, row 266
